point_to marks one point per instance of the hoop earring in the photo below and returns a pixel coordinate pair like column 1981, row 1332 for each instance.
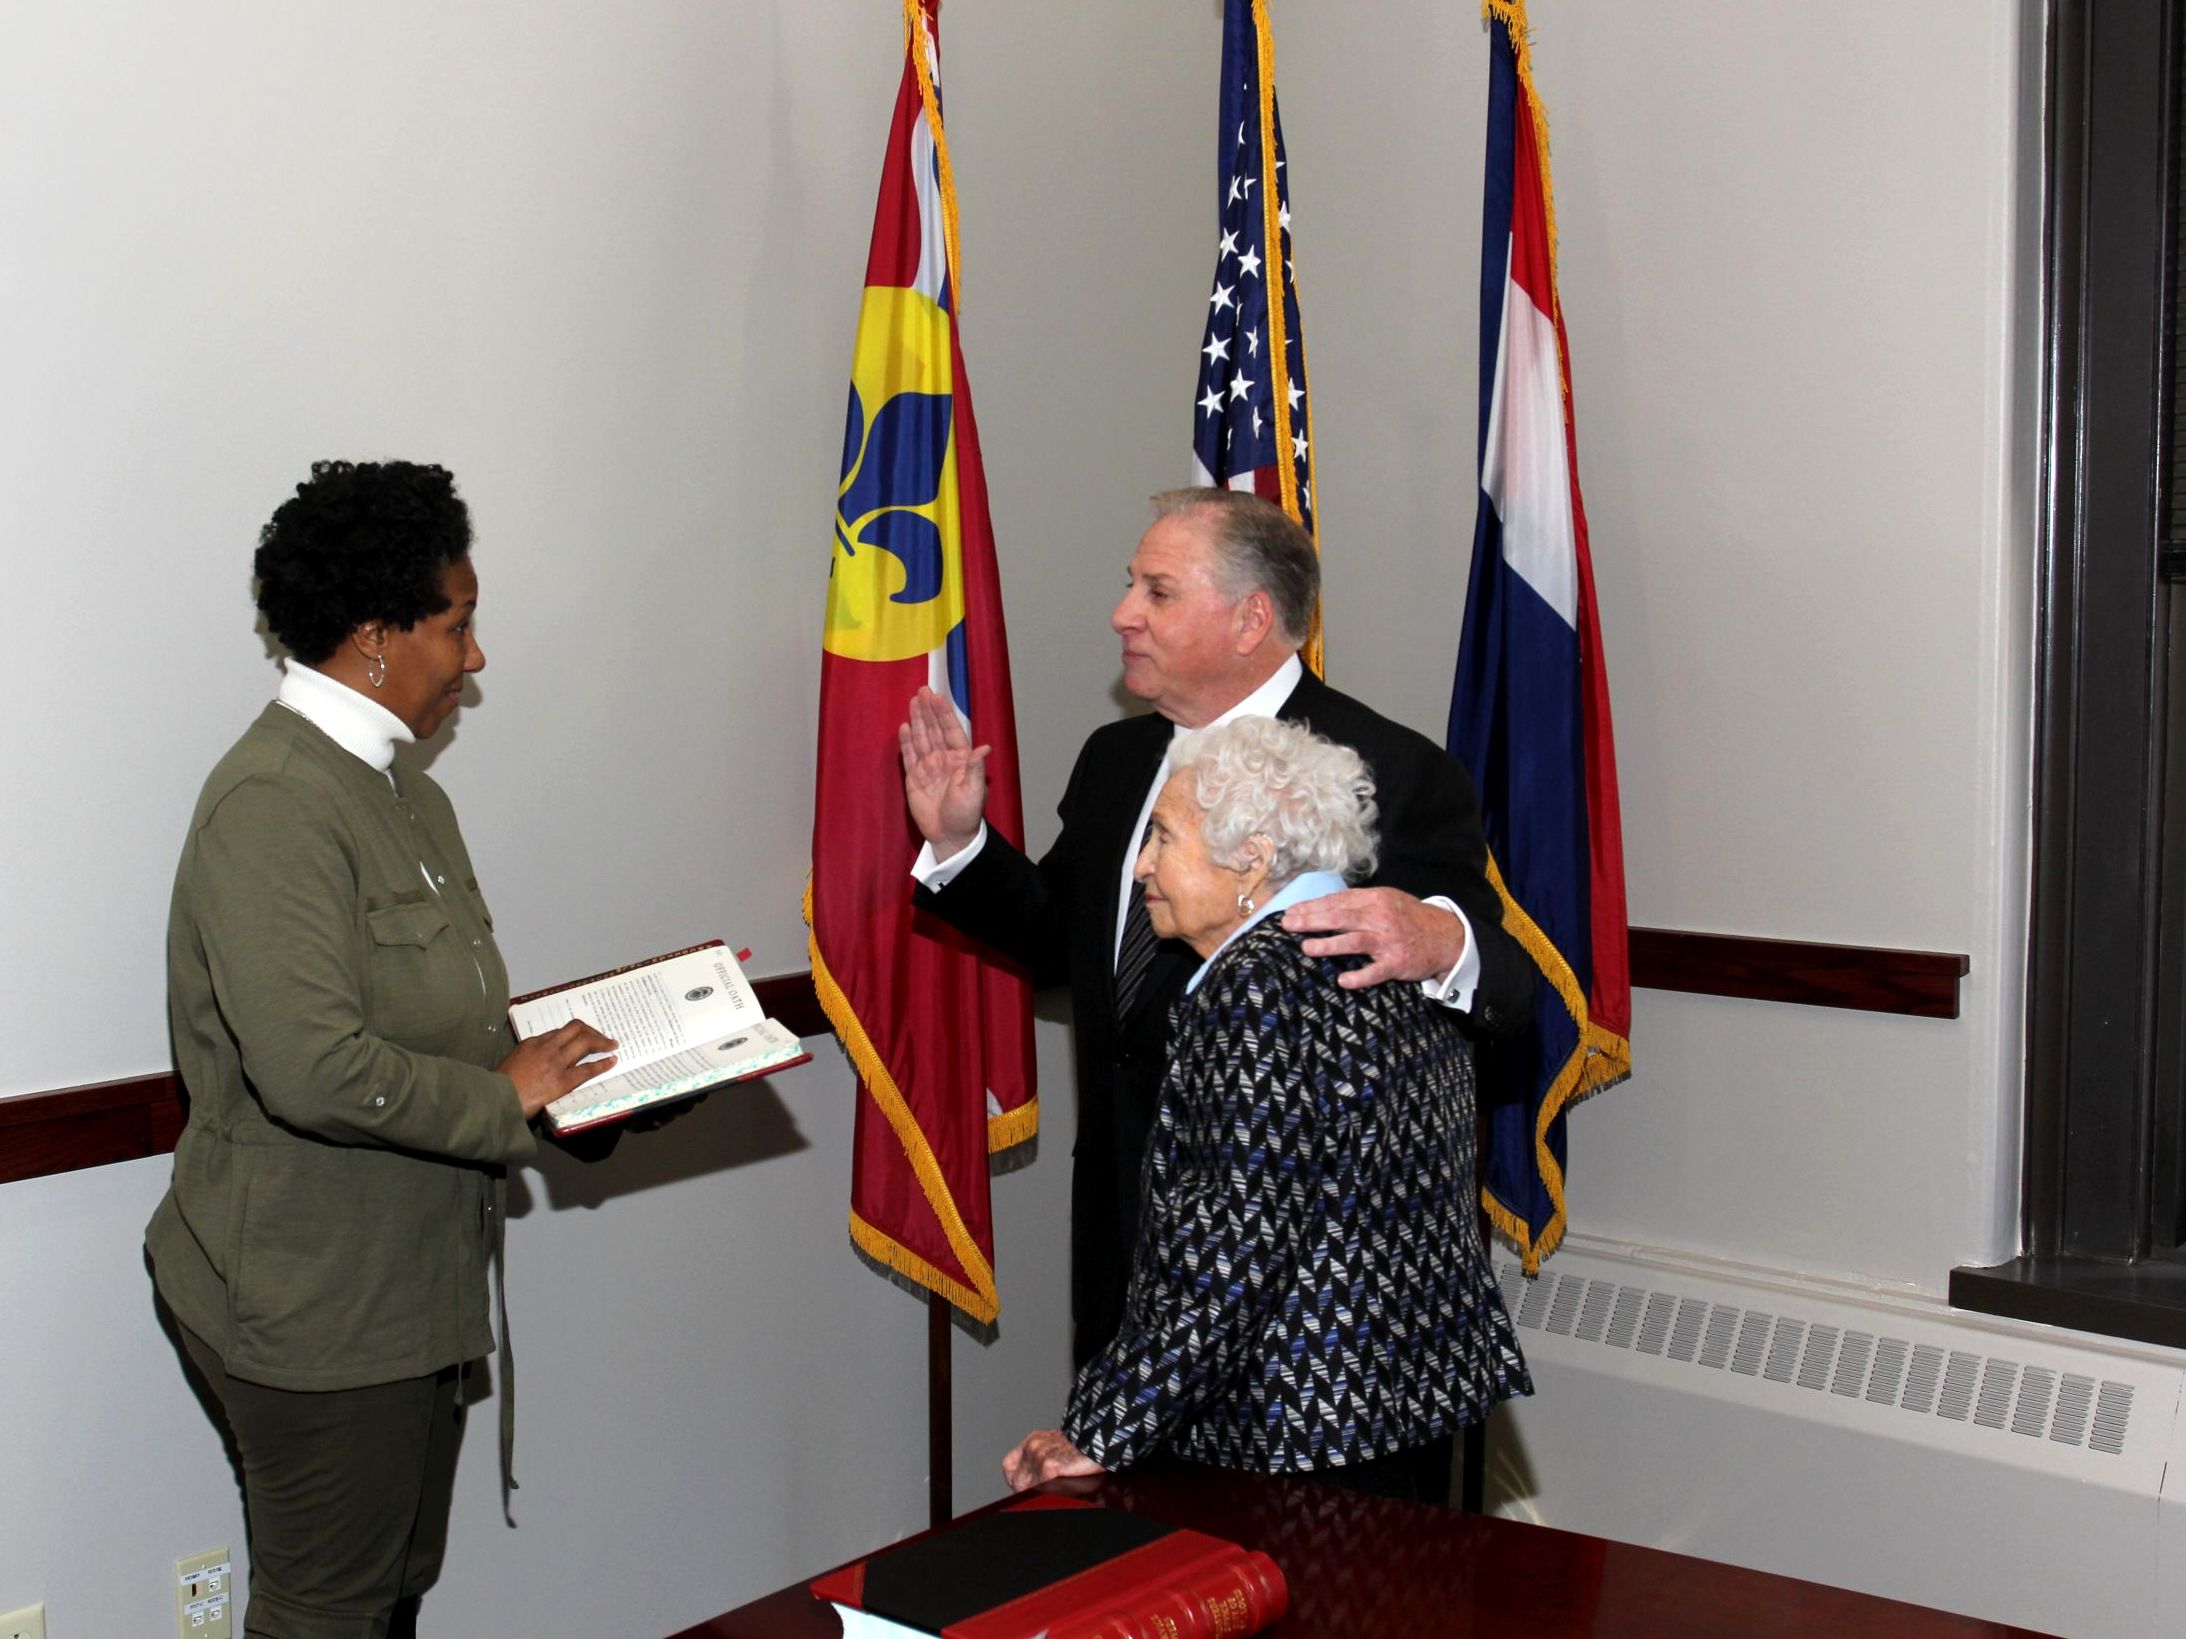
column 1245, row 906
column 375, row 670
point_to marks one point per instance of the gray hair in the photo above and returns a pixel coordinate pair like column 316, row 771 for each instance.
column 1258, row 548
column 1312, row 799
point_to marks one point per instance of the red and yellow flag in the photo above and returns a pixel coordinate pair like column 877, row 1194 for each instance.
column 941, row 1038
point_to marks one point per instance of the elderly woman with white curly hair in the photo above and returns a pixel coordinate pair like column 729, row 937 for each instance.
column 1310, row 1293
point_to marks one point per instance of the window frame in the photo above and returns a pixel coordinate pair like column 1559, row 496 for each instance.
column 2104, row 1184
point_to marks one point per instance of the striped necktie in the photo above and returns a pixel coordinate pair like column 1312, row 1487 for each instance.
column 1136, row 954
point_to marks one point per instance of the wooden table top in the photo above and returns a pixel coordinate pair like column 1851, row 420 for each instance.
column 1366, row 1568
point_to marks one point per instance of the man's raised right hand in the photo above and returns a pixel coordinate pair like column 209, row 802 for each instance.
column 944, row 775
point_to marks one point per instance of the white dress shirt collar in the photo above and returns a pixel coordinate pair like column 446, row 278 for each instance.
column 358, row 724
column 1266, row 700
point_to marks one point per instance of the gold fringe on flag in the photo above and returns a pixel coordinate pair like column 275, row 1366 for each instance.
column 983, row 1301
column 1013, row 1127
column 1600, row 1058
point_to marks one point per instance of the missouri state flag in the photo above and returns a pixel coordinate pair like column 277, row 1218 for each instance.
column 941, row 1039
column 1529, row 716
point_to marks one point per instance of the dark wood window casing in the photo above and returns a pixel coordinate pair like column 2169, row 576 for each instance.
column 2104, row 1187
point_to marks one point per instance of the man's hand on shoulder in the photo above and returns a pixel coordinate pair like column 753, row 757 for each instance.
column 944, row 774
column 1402, row 937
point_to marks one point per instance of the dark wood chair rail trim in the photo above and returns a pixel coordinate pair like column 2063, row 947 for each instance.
column 127, row 1120
column 109, row 1121
column 1921, row 983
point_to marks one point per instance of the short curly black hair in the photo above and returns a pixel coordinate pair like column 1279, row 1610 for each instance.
column 359, row 541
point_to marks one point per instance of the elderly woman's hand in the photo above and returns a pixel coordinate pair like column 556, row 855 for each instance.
column 546, row 1067
column 1045, row 1454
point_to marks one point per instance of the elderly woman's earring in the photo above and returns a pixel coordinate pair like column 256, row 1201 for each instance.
column 375, row 670
column 1245, row 906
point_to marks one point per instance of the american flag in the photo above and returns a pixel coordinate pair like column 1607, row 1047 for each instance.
column 1251, row 429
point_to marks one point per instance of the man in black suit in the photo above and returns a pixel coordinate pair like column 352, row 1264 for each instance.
column 1221, row 595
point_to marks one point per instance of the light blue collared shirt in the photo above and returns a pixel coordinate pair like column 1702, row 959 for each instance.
column 1300, row 888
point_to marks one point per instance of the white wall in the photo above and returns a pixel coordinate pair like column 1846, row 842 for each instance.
column 1803, row 258
column 604, row 263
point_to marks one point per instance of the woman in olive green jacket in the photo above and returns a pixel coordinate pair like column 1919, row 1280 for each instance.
column 339, row 1012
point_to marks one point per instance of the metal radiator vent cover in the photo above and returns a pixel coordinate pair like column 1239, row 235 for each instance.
column 1903, row 1373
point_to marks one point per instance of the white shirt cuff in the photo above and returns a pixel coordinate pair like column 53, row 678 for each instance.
column 935, row 874
column 1455, row 988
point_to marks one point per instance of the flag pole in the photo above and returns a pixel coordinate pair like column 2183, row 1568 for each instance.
column 940, row 1424
column 940, row 1419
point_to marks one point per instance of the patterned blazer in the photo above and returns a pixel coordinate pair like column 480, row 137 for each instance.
column 1310, row 1288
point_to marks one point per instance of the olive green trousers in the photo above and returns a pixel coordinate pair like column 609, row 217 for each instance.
column 346, row 1497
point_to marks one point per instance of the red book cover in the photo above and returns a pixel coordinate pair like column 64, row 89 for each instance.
column 1062, row 1568
column 1236, row 1591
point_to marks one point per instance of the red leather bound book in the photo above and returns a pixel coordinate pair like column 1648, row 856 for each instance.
column 1058, row 1568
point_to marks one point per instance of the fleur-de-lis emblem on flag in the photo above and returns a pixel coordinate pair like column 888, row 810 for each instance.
column 897, row 587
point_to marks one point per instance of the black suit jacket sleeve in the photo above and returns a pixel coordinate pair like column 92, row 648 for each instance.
column 1005, row 900
column 1022, row 909
column 1432, row 843
column 1057, row 918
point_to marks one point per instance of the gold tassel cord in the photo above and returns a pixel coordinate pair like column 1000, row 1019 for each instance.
column 919, row 43
column 1315, row 655
column 1271, row 233
column 1276, row 272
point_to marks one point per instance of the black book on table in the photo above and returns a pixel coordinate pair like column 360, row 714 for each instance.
column 934, row 1580
column 1053, row 1564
